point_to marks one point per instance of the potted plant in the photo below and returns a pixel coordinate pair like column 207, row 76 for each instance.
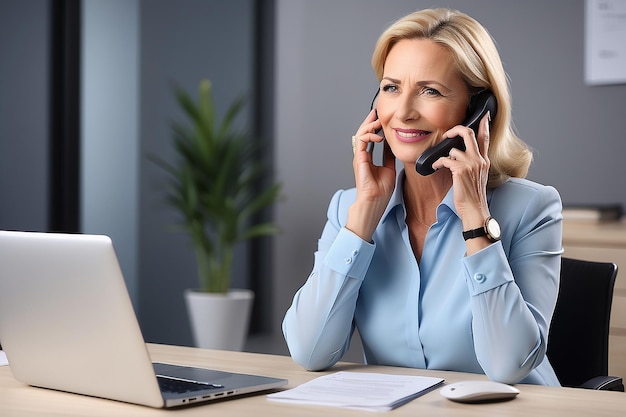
column 214, row 185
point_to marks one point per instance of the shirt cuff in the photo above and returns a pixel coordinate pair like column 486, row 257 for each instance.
column 349, row 254
column 487, row 269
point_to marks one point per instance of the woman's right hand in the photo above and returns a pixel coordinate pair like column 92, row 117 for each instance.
column 374, row 184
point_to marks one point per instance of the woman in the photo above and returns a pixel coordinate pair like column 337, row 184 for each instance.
column 407, row 259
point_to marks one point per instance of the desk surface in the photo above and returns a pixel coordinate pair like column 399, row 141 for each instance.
column 18, row 400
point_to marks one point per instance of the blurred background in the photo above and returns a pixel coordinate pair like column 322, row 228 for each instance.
column 86, row 97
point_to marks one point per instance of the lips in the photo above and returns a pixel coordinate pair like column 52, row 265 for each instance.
column 411, row 135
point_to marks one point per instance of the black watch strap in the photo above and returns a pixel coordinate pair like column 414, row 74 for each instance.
column 491, row 229
column 471, row 234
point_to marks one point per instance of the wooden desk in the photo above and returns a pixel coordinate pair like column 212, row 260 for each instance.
column 17, row 400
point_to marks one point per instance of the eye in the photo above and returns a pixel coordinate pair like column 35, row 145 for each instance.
column 430, row 92
column 390, row 88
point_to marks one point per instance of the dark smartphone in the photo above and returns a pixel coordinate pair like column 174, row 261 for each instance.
column 370, row 145
column 480, row 104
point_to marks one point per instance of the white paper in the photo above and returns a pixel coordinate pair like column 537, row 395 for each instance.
column 356, row 390
column 3, row 358
column 605, row 42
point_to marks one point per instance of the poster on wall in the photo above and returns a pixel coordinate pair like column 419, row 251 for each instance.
column 605, row 42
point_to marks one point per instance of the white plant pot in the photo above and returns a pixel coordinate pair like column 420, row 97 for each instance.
column 219, row 321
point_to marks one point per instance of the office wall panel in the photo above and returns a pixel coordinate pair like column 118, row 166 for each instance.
column 181, row 42
column 110, row 128
column 24, row 49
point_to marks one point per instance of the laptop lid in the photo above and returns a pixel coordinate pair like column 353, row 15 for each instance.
column 67, row 322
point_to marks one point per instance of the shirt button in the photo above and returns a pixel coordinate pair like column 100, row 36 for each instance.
column 355, row 253
column 480, row 278
column 348, row 261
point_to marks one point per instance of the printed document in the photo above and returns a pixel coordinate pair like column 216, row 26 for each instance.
column 356, row 390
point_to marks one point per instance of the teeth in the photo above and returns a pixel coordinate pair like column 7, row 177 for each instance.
column 408, row 135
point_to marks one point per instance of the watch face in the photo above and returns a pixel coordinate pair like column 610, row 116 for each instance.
column 493, row 228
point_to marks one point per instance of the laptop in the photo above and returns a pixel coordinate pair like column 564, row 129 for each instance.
column 67, row 323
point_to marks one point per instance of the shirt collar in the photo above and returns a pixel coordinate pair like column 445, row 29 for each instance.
column 444, row 209
column 397, row 199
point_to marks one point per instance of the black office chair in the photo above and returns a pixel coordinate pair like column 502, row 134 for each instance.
column 578, row 344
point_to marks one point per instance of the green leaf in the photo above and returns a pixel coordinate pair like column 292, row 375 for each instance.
column 264, row 229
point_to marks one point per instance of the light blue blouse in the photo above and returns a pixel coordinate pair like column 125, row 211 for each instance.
column 485, row 313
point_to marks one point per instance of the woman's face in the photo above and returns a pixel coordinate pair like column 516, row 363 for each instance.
column 421, row 97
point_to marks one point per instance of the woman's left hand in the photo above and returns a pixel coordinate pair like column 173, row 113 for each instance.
column 470, row 171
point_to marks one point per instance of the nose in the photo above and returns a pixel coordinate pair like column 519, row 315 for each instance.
column 407, row 108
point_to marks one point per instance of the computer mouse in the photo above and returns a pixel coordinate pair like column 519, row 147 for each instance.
column 478, row 391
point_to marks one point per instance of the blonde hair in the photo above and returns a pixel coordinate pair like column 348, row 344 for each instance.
column 478, row 63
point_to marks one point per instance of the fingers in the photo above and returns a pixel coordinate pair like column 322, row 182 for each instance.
column 366, row 134
column 365, row 143
column 474, row 143
column 477, row 148
column 484, row 135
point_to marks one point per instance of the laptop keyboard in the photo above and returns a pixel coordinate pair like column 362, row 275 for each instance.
column 181, row 386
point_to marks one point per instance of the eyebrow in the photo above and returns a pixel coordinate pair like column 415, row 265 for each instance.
column 420, row 83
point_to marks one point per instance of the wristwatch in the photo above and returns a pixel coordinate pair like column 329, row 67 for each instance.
column 491, row 229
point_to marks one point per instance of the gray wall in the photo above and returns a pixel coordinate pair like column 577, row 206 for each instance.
column 23, row 114
column 110, row 128
column 325, row 84
column 181, row 42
